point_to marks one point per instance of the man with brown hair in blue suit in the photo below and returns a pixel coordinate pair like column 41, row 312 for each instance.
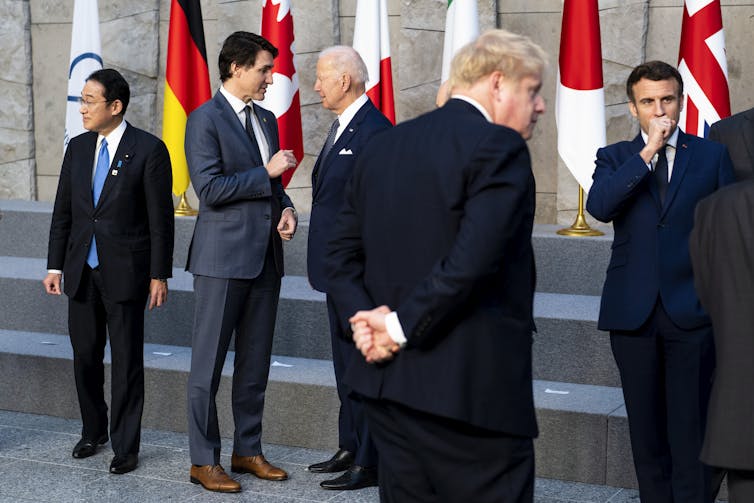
column 660, row 335
column 236, row 257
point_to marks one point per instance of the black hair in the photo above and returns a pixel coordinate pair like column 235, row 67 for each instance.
column 116, row 87
column 653, row 70
column 242, row 48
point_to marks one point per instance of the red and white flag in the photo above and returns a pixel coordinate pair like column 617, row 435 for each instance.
column 703, row 66
column 282, row 97
column 580, row 95
column 371, row 39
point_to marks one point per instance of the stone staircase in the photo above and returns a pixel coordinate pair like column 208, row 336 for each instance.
column 583, row 428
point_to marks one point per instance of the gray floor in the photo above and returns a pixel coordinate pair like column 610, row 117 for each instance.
column 36, row 465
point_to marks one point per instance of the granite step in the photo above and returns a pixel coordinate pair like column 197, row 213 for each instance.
column 567, row 347
column 564, row 264
column 583, row 429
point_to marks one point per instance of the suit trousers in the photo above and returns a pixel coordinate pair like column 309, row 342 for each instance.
column 91, row 317
column 223, row 306
column 666, row 374
column 740, row 486
column 427, row 458
column 353, row 430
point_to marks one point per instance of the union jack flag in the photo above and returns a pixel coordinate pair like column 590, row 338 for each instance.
column 703, row 66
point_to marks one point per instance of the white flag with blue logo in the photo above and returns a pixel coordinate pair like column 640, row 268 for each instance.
column 86, row 57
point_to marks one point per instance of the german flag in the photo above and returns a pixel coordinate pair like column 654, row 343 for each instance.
column 186, row 82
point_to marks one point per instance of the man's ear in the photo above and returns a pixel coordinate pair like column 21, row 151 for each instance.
column 116, row 107
column 346, row 82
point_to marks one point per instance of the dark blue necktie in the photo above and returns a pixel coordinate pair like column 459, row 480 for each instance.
column 250, row 131
column 661, row 173
column 100, row 174
column 330, row 141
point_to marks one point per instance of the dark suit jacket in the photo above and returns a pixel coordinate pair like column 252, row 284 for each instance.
column 239, row 205
column 737, row 133
column 437, row 225
column 722, row 251
column 650, row 254
column 329, row 178
column 133, row 221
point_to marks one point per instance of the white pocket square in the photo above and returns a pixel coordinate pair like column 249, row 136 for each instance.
column 345, row 151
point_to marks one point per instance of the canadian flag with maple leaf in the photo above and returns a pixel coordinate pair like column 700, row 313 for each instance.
column 282, row 97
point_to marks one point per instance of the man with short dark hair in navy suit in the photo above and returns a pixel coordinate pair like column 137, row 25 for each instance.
column 111, row 237
column 341, row 82
column 660, row 335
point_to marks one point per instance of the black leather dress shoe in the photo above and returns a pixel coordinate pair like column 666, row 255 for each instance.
column 124, row 464
column 356, row 477
column 342, row 460
column 85, row 447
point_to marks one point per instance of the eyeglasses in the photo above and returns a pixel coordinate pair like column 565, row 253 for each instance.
column 87, row 103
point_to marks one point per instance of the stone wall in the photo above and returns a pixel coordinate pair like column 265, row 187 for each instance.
column 134, row 39
column 17, row 163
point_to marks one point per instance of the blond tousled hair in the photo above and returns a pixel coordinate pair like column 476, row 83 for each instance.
column 515, row 56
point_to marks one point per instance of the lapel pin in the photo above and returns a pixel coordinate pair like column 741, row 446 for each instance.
column 127, row 157
column 264, row 119
column 120, row 163
column 114, row 172
column 683, row 145
column 350, row 130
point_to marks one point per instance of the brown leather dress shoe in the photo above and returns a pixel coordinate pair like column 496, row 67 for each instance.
column 214, row 478
column 256, row 465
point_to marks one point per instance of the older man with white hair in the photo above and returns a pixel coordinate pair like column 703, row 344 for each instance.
column 341, row 79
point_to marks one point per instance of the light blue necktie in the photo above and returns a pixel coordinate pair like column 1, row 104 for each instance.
column 103, row 165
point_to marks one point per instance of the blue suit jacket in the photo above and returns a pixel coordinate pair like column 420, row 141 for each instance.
column 329, row 178
column 650, row 252
column 437, row 224
column 239, row 205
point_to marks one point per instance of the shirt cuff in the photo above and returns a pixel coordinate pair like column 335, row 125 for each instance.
column 394, row 328
column 54, row 271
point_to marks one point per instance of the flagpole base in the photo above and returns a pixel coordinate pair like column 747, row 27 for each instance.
column 580, row 228
column 184, row 209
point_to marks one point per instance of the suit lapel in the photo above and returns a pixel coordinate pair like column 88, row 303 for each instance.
column 234, row 125
column 343, row 140
column 122, row 156
column 636, row 147
column 683, row 154
column 266, row 129
column 83, row 170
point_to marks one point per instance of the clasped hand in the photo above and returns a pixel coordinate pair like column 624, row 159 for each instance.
column 371, row 336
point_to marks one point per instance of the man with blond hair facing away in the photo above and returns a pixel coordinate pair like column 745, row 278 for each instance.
column 440, row 283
